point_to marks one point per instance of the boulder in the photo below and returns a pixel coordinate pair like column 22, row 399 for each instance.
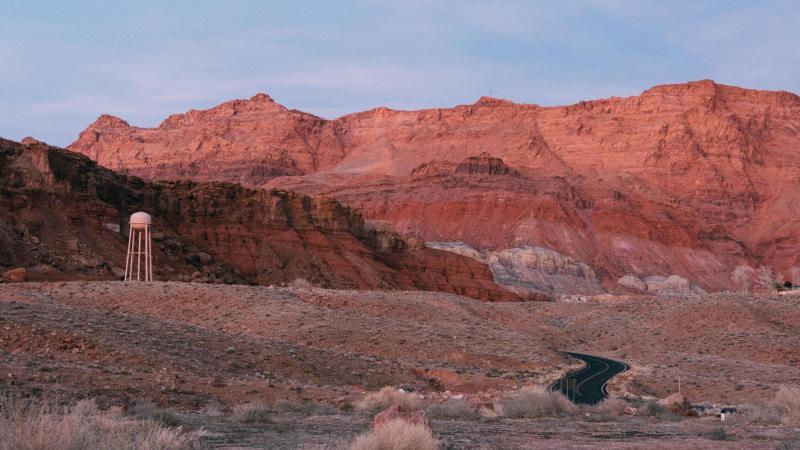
column 17, row 275
column 393, row 413
column 199, row 258
column 672, row 285
column 632, row 282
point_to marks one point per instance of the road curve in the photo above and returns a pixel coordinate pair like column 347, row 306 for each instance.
column 589, row 384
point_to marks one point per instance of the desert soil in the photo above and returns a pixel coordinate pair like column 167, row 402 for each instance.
column 197, row 348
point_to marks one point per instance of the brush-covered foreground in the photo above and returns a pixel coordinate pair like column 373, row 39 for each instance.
column 283, row 368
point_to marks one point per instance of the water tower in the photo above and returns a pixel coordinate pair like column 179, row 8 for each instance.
column 138, row 237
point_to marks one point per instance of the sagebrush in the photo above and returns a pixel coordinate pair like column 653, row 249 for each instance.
column 397, row 435
column 253, row 412
column 386, row 397
column 26, row 425
column 453, row 408
column 536, row 402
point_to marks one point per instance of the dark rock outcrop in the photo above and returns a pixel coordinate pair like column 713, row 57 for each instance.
column 59, row 208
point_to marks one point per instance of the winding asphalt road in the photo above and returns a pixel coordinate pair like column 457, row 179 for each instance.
column 589, row 385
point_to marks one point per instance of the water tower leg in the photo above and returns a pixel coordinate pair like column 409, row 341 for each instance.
column 139, row 258
column 148, row 255
column 128, row 267
column 144, row 255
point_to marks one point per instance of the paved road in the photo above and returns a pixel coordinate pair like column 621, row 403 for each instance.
column 588, row 385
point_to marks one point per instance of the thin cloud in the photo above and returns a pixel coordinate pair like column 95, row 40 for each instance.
column 144, row 62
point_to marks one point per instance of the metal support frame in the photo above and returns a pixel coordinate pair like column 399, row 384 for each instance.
column 137, row 238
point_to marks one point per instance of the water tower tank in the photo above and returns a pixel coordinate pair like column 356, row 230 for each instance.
column 140, row 220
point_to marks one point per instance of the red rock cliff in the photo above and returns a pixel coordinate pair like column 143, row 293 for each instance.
column 61, row 210
column 687, row 179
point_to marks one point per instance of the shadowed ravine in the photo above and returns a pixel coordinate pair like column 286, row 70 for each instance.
column 588, row 385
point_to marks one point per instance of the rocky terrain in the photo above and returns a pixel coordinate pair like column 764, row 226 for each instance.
column 200, row 350
column 689, row 179
column 63, row 217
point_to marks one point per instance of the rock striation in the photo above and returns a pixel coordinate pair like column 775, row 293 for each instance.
column 61, row 210
column 690, row 179
column 672, row 285
column 531, row 269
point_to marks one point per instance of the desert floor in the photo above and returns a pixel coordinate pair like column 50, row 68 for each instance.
column 199, row 350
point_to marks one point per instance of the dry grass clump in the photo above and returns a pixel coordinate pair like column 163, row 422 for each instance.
column 397, row 435
column 145, row 410
column 28, row 426
column 612, row 406
column 386, row 397
column 653, row 409
column 789, row 399
column 783, row 409
column 253, row 412
column 453, row 408
column 537, row 402
column 768, row 413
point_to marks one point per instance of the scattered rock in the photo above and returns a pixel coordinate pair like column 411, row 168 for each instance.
column 16, row 275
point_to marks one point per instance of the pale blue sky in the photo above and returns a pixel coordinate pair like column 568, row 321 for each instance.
column 66, row 62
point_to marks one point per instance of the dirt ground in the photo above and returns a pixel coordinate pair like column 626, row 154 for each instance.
column 197, row 348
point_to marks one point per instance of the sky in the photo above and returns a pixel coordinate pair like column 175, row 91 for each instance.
column 63, row 63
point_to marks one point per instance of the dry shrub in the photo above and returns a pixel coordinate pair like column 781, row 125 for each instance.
column 788, row 398
column 763, row 412
column 784, row 408
column 28, row 426
column 537, row 402
column 386, row 397
column 453, row 408
column 654, row 409
column 397, row 435
column 253, row 412
column 145, row 410
column 612, row 406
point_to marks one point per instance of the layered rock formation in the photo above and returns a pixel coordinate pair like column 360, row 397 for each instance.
column 672, row 285
column 531, row 269
column 689, row 179
column 60, row 210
